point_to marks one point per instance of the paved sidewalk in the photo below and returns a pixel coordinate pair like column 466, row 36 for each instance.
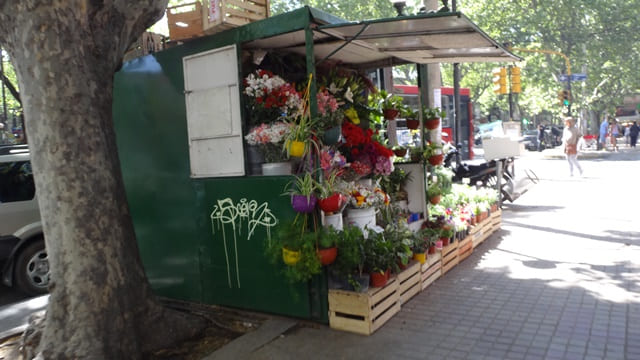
column 560, row 280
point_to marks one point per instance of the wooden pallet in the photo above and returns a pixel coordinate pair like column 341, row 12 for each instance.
column 185, row 21
column 449, row 257
column 220, row 15
column 496, row 220
column 365, row 312
column 410, row 282
column 431, row 269
column 465, row 248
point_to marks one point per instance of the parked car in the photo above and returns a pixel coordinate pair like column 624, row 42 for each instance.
column 530, row 140
column 23, row 258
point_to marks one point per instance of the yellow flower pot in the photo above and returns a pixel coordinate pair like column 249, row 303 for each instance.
column 296, row 148
column 421, row 257
column 290, row 257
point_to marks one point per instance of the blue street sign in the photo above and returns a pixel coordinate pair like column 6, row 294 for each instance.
column 574, row 77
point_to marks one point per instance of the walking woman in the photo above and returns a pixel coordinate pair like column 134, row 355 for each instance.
column 614, row 134
column 570, row 137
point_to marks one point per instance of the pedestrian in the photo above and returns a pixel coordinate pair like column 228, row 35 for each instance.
column 626, row 135
column 604, row 126
column 634, row 130
column 614, row 134
column 5, row 136
column 570, row 137
column 540, row 137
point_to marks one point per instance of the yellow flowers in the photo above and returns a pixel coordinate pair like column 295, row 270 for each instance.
column 352, row 115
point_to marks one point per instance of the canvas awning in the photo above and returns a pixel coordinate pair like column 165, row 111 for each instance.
column 427, row 38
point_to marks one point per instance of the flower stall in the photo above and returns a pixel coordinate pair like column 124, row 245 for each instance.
column 257, row 177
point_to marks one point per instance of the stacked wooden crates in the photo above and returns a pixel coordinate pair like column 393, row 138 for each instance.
column 198, row 18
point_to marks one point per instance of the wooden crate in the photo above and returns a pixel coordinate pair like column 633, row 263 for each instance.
column 220, row 15
column 409, row 282
column 496, row 220
column 365, row 312
column 431, row 269
column 465, row 248
column 147, row 43
column 449, row 257
column 185, row 21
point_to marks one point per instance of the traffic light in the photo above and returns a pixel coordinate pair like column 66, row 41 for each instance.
column 499, row 80
column 515, row 80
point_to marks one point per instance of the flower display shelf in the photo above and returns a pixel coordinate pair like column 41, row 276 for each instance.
column 431, row 269
column 449, row 257
column 410, row 282
column 465, row 248
column 364, row 312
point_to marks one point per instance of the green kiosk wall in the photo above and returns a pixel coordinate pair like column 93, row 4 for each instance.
column 201, row 239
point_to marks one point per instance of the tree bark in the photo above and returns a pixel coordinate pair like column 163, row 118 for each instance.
column 65, row 54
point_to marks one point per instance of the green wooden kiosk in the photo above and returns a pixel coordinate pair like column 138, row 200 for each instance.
column 201, row 222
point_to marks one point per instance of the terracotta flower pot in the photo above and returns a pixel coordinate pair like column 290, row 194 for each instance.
column 327, row 256
column 413, row 124
column 390, row 114
column 435, row 199
column 432, row 249
column 432, row 123
column 400, row 152
column 379, row 279
column 445, row 241
column 290, row 257
column 332, row 203
column 303, row 204
column 436, row 160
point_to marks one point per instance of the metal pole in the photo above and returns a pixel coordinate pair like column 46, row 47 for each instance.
column 4, row 99
column 510, row 95
column 456, row 108
column 570, row 96
column 499, row 182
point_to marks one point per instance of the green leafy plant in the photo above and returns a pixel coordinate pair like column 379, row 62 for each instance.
column 432, row 149
column 402, row 239
column 433, row 113
column 301, row 185
column 329, row 185
column 295, row 237
column 416, row 154
column 434, row 190
column 394, row 183
column 350, row 260
column 329, row 238
column 379, row 253
column 409, row 113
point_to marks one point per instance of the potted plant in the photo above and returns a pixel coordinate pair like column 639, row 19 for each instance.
column 379, row 259
column 401, row 238
column 434, row 193
column 330, row 116
column 327, row 250
column 331, row 201
column 389, row 103
column 299, row 139
column 433, row 153
column 296, row 248
column 432, row 116
column 416, row 154
column 349, row 265
column 400, row 151
column 302, row 191
column 420, row 246
column 411, row 118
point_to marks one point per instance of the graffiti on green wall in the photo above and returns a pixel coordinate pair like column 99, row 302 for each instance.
column 243, row 217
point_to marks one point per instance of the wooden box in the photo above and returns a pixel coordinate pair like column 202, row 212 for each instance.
column 365, row 312
column 220, row 15
column 431, row 269
column 465, row 248
column 147, row 43
column 185, row 21
column 449, row 257
column 496, row 219
column 409, row 282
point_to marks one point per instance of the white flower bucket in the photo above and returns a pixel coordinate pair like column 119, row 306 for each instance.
column 362, row 218
column 278, row 168
column 334, row 220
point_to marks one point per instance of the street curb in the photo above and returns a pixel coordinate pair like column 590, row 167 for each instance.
column 12, row 332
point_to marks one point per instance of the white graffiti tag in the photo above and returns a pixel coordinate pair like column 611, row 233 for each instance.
column 245, row 213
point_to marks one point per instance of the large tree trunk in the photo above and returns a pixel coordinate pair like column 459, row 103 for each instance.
column 66, row 53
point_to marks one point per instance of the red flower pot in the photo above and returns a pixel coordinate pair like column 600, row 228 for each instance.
column 332, row 203
column 390, row 114
column 445, row 241
column 413, row 124
column 400, row 152
column 327, row 256
column 303, row 204
column 432, row 123
column 378, row 279
column 436, row 160
column 434, row 199
column 432, row 249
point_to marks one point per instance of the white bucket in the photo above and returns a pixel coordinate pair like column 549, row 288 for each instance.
column 278, row 168
column 361, row 218
column 334, row 220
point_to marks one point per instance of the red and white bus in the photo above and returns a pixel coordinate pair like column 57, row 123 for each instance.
column 410, row 94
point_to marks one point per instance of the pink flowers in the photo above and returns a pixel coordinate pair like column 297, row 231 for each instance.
column 326, row 103
column 273, row 133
